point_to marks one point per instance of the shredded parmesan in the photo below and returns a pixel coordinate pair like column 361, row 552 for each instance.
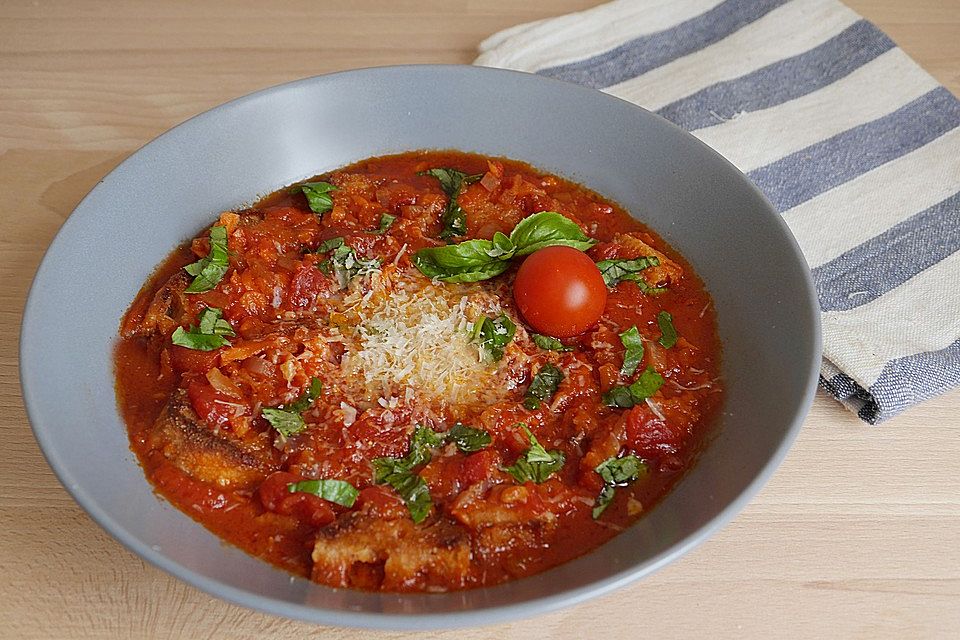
column 414, row 335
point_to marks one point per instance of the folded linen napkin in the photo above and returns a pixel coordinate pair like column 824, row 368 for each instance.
column 855, row 145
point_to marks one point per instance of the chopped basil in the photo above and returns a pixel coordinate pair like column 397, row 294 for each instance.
column 330, row 245
column 668, row 334
column 543, row 386
column 627, row 396
column 633, row 344
column 414, row 492
column 616, row 472
column 209, row 270
column 345, row 265
column 549, row 343
column 398, row 472
column 452, row 182
column 536, row 464
column 468, row 439
column 493, row 335
column 337, row 491
column 616, row 271
column 386, row 221
column 286, row 419
column 479, row 259
column 206, row 337
column 318, row 196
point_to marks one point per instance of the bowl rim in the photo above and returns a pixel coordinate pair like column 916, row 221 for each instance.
column 420, row 621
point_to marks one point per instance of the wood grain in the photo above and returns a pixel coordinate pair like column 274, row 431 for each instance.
column 857, row 535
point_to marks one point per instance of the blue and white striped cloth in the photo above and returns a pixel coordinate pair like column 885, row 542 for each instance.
column 855, row 145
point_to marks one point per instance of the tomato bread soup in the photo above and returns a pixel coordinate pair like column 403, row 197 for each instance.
column 423, row 372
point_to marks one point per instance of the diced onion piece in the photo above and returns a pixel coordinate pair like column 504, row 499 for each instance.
column 223, row 384
column 490, row 182
column 349, row 414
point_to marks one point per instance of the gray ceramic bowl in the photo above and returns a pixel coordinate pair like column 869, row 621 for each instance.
column 174, row 186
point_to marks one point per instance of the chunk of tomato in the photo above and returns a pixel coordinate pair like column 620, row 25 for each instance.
column 275, row 496
column 650, row 436
column 212, row 406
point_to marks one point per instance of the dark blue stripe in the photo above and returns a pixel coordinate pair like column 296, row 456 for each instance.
column 906, row 381
column 642, row 54
column 886, row 261
column 822, row 166
column 781, row 81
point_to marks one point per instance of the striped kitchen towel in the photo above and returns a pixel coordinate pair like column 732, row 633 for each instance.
column 855, row 145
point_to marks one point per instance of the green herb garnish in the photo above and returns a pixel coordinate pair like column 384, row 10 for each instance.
column 209, row 270
column 624, row 397
column 318, row 196
column 452, row 182
column 633, row 344
column 668, row 334
column 398, row 472
column 344, row 264
column 337, row 491
column 543, row 386
column 549, row 343
column 330, row 245
column 386, row 221
column 287, row 419
column 468, row 439
column 475, row 260
column 616, row 472
column 209, row 335
column 536, row 464
column 493, row 335
column 616, row 271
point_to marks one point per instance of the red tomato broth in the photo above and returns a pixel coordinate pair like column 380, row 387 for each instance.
column 270, row 282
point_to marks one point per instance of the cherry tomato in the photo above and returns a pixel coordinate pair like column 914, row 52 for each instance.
column 560, row 291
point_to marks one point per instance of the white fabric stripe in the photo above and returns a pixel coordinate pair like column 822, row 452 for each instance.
column 879, row 87
column 770, row 39
column 919, row 315
column 872, row 203
column 582, row 35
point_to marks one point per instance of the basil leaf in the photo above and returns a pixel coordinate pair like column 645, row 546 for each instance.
column 209, row 270
column 493, row 335
column 668, row 334
column 414, row 492
column 543, row 386
column 386, row 221
column 616, row 472
column 206, row 337
column 318, row 196
column 475, row 260
column 398, row 472
column 548, row 229
column 467, row 261
column 330, row 245
column 615, row 271
column 337, row 491
column 627, row 396
column 286, row 419
column 549, row 343
column 468, row 439
column 452, row 182
column 536, row 464
column 306, row 399
column 286, row 423
column 345, row 265
column 633, row 343
column 502, row 247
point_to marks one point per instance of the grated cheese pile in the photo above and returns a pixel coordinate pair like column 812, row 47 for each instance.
column 415, row 336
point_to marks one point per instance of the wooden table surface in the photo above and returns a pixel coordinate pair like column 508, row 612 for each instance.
column 857, row 535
